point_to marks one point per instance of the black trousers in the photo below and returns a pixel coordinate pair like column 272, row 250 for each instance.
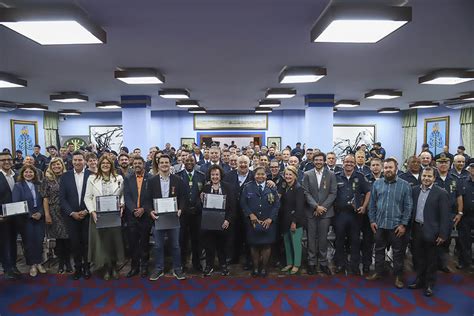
column 79, row 237
column 236, row 242
column 347, row 224
column 464, row 227
column 367, row 244
column 384, row 238
column 138, row 236
column 189, row 234
column 425, row 252
column 215, row 240
column 9, row 230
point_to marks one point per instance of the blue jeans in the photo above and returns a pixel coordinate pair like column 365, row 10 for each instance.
column 173, row 238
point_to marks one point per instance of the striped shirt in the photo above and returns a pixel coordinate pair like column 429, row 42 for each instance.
column 390, row 203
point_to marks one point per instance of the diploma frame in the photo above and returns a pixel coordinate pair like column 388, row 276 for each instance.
column 108, row 201
column 211, row 201
column 161, row 206
column 16, row 208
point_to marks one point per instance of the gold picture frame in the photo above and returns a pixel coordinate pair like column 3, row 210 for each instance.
column 22, row 133
column 436, row 133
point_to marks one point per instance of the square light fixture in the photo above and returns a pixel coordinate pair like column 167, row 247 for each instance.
column 199, row 110
column 139, row 76
column 108, row 105
column 69, row 112
column 383, row 94
column 32, row 107
column 447, row 77
column 10, row 81
column 467, row 97
column 69, row 97
column 53, row 25
column 187, row 104
column 388, row 110
column 7, row 106
column 280, row 93
column 174, row 93
column 346, row 104
column 262, row 109
column 423, row 105
column 358, row 22
column 301, row 74
column 269, row 103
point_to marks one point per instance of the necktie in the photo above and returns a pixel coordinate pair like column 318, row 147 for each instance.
column 260, row 188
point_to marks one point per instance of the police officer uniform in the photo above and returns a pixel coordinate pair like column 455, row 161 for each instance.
column 411, row 178
column 467, row 221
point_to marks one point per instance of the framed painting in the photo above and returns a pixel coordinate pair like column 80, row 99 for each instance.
column 276, row 140
column 187, row 142
column 78, row 141
column 106, row 136
column 347, row 137
column 436, row 133
column 24, row 136
column 230, row 121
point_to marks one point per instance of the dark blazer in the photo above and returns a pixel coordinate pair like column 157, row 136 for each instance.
column 336, row 168
column 205, row 167
column 176, row 190
column 292, row 206
column 436, row 218
column 5, row 192
column 130, row 194
column 230, row 206
column 68, row 192
column 193, row 199
column 365, row 170
column 21, row 192
column 410, row 178
column 232, row 177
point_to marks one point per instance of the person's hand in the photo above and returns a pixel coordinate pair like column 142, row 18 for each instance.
column 83, row 214
column 439, row 241
column 457, row 219
column 179, row 213
column 320, row 210
column 253, row 219
column 36, row 216
column 202, row 197
column 361, row 210
column 94, row 217
column 138, row 212
column 374, row 227
column 225, row 225
column 47, row 218
column 154, row 215
column 400, row 231
column 77, row 216
column 293, row 227
column 271, row 184
column 266, row 223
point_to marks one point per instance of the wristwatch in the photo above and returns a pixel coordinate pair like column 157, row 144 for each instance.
column 460, row 213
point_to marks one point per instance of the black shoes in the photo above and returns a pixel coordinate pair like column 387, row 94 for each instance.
column 428, row 292
column 340, row 269
column 68, row 267
column 416, row 285
column 254, row 273
column 11, row 276
column 133, row 272
column 444, row 269
column 87, row 273
column 143, row 271
column 225, row 271
column 77, row 274
column 399, row 284
column 263, row 273
column 325, row 269
column 179, row 274
column 208, row 270
column 311, row 269
column 373, row 277
column 16, row 271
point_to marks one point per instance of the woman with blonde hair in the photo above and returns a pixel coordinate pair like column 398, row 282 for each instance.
column 55, row 224
column 105, row 244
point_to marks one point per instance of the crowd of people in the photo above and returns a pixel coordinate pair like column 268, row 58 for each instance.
column 273, row 200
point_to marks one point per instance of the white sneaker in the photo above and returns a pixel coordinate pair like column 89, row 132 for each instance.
column 40, row 268
column 33, row 271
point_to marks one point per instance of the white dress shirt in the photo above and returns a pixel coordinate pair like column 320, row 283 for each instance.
column 319, row 176
column 79, row 179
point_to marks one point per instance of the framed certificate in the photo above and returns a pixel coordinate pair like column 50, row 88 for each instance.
column 165, row 205
column 17, row 208
column 214, row 201
column 167, row 221
column 212, row 219
column 108, row 220
column 107, row 203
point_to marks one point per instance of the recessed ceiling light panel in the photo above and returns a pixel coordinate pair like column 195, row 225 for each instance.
column 301, row 74
column 69, row 97
column 174, row 93
column 447, row 77
column 108, row 105
column 187, row 104
column 347, row 104
column 388, row 110
column 269, row 103
column 424, row 105
column 467, row 97
column 383, row 94
column 263, row 110
column 69, row 112
column 280, row 93
column 139, row 76
column 199, row 110
column 10, row 81
column 33, row 107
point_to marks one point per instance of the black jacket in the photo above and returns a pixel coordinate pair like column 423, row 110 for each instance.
column 230, row 205
column 130, row 194
column 68, row 192
column 292, row 206
column 154, row 191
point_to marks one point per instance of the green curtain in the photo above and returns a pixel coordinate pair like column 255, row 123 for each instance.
column 467, row 129
column 50, row 126
column 409, row 133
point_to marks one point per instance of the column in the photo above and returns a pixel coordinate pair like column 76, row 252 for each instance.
column 318, row 121
column 136, row 121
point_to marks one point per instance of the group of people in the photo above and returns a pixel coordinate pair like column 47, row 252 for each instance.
column 272, row 200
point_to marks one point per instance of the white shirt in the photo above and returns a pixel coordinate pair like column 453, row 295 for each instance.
column 319, row 176
column 165, row 186
column 79, row 179
column 10, row 178
column 242, row 178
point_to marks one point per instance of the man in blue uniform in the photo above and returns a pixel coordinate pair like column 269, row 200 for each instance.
column 412, row 175
column 467, row 219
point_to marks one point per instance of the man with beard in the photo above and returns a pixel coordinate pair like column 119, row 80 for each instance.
column 124, row 166
column 191, row 218
column 390, row 209
column 138, row 224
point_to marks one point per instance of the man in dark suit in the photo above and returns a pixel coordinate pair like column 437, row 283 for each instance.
column 9, row 227
column 214, row 156
column 40, row 159
column 331, row 162
column 165, row 185
column 138, row 224
column 361, row 163
column 431, row 228
column 412, row 175
column 72, row 191
column 198, row 156
column 190, row 220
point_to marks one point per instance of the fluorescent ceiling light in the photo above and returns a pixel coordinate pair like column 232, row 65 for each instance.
column 301, row 74
column 197, row 110
column 174, row 93
column 69, row 112
column 187, row 104
column 347, row 104
column 10, row 81
column 358, row 23
column 7, row 106
column 383, row 94
column 32, row 107
column 272, row 103
column 447, row 77
column 69, row 97
column 53, row 25
column 424, row 105
column 108, row 105
column 140, row 76
column 467, row 97
column 263, row 110
column 280, row 93
column 388, row 110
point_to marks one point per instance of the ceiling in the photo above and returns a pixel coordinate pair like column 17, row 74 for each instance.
column 228, row 52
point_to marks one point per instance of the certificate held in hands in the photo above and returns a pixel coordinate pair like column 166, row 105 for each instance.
column 167, row 209
column 17, row 208
column 213, row 213
column 108, row 211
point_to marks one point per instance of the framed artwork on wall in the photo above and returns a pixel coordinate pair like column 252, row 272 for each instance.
column 106, row 136
column 276, row 140
column 436, row 133
column 188, row 142
column 230, row 121
column 24, row 136
column 78, row 141
column 347, row 137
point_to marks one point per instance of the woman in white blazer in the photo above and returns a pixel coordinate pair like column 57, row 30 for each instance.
column 105, row 244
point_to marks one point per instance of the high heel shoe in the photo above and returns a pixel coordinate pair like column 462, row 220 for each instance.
column 294, row 270
column 287, row 268
column 114, row 273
